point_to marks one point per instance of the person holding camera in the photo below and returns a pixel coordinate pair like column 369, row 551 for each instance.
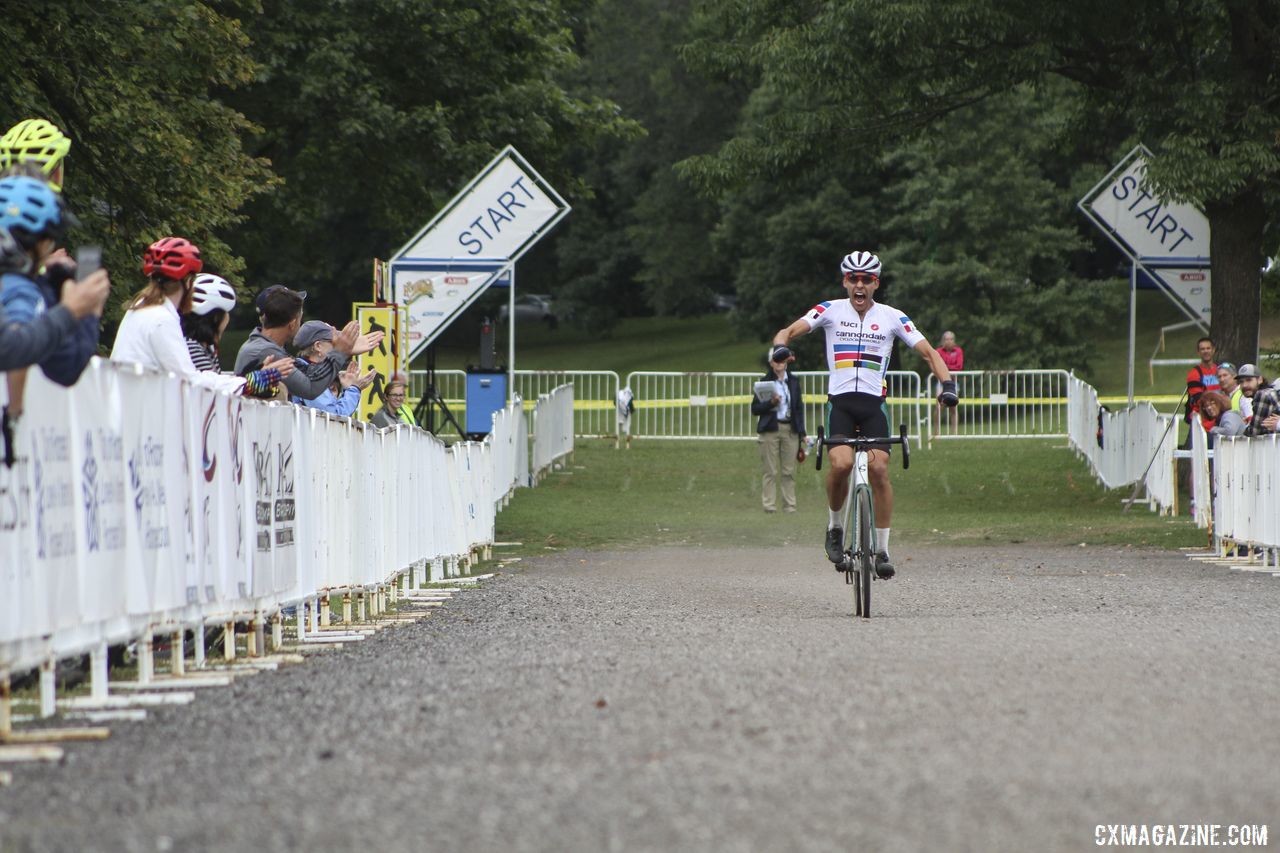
column 780, row 431
column 860, row 334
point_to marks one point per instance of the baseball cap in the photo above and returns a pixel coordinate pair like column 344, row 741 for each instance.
column 312, row 331
column 275, row 288
column 1248, row 370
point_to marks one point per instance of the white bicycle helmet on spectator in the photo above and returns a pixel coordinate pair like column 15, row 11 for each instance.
column 860, row 262
column 211, row 292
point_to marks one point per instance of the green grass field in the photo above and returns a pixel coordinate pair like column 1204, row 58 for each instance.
column 708, row 493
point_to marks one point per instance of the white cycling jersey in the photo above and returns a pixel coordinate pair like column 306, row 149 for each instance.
column 858, row 348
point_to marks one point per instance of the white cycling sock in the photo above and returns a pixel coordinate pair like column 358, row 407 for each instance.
column 835, row 517
column 882, row 539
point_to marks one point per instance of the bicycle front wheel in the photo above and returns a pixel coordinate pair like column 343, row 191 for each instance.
column 865, row 555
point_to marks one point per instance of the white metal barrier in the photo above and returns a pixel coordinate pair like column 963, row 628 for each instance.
column 1123, row 447
column 1246, row 477
column 1003, row 404
column 141, row 505
column 594, row 393
column 1201, row 475
column 552, row 430
column 718, row 405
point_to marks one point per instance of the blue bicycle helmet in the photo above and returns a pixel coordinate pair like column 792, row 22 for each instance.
column 30, row 210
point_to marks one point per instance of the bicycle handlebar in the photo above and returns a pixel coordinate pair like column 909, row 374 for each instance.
column 865, row 444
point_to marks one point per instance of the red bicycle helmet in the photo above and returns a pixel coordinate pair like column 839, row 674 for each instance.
column 172, row 257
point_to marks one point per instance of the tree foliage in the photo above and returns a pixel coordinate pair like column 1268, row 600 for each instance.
column 974, row 225
column 154, row 151
column 1197, row 82
column 642, row 241
column 376, row 113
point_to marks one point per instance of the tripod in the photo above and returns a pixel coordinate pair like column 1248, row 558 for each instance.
column 425, row 411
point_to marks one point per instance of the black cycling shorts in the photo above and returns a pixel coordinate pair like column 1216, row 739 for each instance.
column 855, row 415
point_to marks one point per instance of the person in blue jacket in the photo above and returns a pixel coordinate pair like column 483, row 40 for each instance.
column 31, row 284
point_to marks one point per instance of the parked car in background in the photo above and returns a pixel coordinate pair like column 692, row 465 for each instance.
column 532, row 306
column 724, row 302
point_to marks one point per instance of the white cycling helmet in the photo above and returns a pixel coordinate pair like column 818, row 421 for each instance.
column 860, row 262
column 211, row 292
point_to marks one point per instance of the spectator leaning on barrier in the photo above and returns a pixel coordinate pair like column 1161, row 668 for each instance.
column 212, row 300
column 280, row 310
column 394, row 410
column 1266, row 402
column 25, row 344
column 1250, row 380
column 314, row 341
column 1228, row 384
column 34, row 219
column 1218, row 417
column 780, row 433
column 151, row 332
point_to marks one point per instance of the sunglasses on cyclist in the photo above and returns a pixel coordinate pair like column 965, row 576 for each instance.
column 862, row 278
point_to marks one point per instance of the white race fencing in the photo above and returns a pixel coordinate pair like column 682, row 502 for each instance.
column 714, row 405
column 1003, row 404
column 1201, row 461
column 1246, row 479
column 1134, row 444
column 552, row 430
column 718, row 405
column 141, row 505
column 594, row 394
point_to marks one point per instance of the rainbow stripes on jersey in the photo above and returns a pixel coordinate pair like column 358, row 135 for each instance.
column 852, row 356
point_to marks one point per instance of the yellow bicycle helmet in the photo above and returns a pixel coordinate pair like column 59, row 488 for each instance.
column 37, row 141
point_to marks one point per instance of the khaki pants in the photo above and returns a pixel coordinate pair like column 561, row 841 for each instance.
column 778, row 456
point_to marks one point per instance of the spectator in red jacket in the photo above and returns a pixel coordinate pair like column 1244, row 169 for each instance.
column 1203, row 377
column 953, row 358
column 952, row 355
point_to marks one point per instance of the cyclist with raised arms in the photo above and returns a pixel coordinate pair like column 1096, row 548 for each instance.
column 860, row 334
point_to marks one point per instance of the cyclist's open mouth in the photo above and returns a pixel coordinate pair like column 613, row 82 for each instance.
column 859, row 298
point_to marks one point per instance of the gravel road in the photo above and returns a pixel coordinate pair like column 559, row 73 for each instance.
column 1006, row 698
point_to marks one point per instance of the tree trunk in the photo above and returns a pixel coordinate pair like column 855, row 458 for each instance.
column 1235, row 244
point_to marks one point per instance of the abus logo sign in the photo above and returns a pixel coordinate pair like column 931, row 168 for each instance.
column 455, row 279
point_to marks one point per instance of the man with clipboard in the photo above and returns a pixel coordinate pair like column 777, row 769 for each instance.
column 777, row 402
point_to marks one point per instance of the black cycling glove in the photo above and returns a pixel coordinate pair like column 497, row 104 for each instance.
column 949, row 397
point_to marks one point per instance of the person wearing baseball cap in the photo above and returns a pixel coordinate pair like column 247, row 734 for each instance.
column 1263, row 403
column 280, row 312
column 314, row 341
column 261, row 299
column 1229, row 385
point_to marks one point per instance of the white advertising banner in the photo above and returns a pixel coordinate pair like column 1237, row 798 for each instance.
column 103, row 491
column 138, row 504
column 156, row 492
column 1142, row 224
column 270, row 431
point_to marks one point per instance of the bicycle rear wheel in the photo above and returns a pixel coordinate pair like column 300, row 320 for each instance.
column 865, row 554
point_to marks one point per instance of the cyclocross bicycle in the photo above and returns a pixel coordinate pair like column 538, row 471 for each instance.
column 860, row 517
